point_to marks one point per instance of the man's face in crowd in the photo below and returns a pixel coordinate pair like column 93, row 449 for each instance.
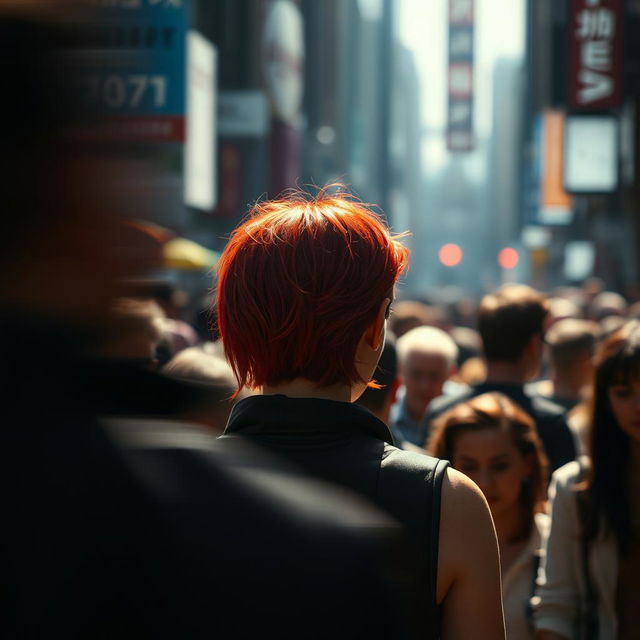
column 424, row 375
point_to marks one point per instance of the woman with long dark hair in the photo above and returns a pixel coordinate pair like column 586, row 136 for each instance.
column 494, row 442
column 590, row 582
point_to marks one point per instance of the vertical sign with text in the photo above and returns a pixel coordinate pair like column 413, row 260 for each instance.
column 460, row 76
column 140, row 82
column 595, row 54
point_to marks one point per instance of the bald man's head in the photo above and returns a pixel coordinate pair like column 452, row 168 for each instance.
column 426, row 358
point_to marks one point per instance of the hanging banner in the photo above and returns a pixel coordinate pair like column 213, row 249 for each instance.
column 595, row 54
column 460, row 76
column 556, row 206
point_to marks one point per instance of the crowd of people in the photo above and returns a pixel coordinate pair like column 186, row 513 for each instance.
column 331, row 460
column 549, row 429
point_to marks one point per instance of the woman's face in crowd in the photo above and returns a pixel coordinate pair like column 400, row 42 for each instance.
column 625, row 405
column 490, row 459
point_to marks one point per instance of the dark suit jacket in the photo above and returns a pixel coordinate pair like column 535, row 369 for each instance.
column 166, row 536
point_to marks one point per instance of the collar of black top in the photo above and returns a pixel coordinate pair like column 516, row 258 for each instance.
column 278, row 414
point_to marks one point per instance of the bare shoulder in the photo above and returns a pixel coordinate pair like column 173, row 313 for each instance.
column 468, row 563
column 466, row 528
column 463, row 502
column 456, row 485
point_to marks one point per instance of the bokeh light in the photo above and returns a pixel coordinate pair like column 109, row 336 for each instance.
column 508, row 258
column 450, row 255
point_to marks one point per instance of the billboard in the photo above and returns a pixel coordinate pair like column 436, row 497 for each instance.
column 137, row 74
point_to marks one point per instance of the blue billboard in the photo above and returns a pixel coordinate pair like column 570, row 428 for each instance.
column 141, row 75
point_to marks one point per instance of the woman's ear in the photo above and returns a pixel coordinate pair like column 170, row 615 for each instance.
column 374, row 333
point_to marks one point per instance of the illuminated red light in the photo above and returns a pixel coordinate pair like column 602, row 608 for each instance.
column 508, row 258
column 450, row 255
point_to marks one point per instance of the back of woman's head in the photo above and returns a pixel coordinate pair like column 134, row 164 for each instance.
column 617, row 364
column 298, row 283
column 496, row 411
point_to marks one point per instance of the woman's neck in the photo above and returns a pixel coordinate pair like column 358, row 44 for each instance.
column 303, row 388
column 508, row 524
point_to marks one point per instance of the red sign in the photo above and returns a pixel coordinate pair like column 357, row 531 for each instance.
column 595, row 54
column 144, row 129
column 460, row 76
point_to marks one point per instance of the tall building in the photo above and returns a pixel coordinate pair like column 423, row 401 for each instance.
column 405, row 146
column 348, row 95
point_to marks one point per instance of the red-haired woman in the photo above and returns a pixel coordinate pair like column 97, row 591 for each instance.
column 591, row 577
column 305, row 286
column 494, row 442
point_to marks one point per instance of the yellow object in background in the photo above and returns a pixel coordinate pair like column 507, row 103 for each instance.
column 181, row 253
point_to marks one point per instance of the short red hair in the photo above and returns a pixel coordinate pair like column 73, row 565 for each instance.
column 298, row 283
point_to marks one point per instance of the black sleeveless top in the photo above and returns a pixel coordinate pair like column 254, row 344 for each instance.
column 345, row 444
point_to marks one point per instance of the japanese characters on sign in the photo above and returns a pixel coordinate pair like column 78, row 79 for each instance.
column 595, row 56
column 460, row 76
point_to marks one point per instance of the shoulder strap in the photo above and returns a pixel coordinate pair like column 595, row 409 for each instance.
column 436, row 491
column 410, row 488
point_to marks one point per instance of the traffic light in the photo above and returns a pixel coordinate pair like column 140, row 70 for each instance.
column 450, row 255
column 508, row 258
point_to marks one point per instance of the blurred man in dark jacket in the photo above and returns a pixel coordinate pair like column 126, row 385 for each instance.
column 511, row 323
column 140, row 529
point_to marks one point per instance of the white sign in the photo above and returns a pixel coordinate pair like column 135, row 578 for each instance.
column 536, row 237
column 591, row 154
column 200, row 145
column 579, row 260
column 242, row 113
